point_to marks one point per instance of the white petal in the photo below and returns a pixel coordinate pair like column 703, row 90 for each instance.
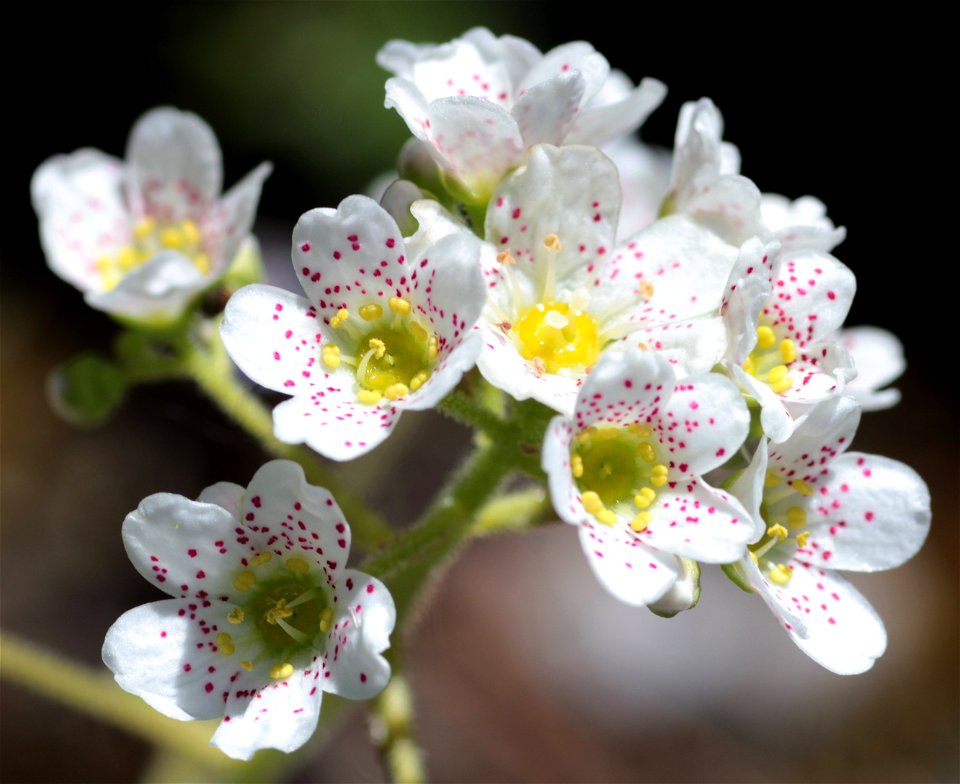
column 404, row 96
column 280, row 715
column 624, row 388
column 275, row 337
column 825, row 432
column 333, row 422
column 692, row 347
column 644, row 180
column 800, row 224
column 79, row 202
column 729, row 206
column 227, row 224
column 598, row 125
column 747, row 488
column 696, row 159
column 183, row 547
column 631, row 571
column 841, row 631
column 576, row 56
column 226, row 495
column 302, row 519
column 775, row 420
column 160, row 652
column 361, row 631
column 175, row 166
column 546, row 111
column 878, row 356
column 555, row 461
column 869, row 513
column 446, row 375
column 460, row 68
column 811, row 296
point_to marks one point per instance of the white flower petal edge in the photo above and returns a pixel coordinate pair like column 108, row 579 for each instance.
column 142, row 238
column 479, row 102
column 626, row 469
column 826, row 509
column 387, row 325
column 264, row 617
column 878, row 356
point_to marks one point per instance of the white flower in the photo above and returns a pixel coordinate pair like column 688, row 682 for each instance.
column 264, row 618
column 387, row 325
column 818, row 508
column 627, row 470
column 480, row 101
column 644, row 181
column 142, row 237
column 878, row 358
column 559, row 292
column 782, row 311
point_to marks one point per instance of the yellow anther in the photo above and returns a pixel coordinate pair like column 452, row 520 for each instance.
column 371, row 311
column 647, row 452
column 576, row 466
column 247, row 665
column 645, row 289
column 277, row 612
column 777, row 374
column 644, row 498
column 202, row 262
column 749, row 367
column 342, row 315
column 659, row 468
column 788, row 350
column 396, row 391
column 433, row 347
column 504, row 257
column 801, row 487
column 128, row 258
column 261, row 558
column 244, row 581
column 326, row 619
column 171, row 238
column 399, row 305
column 782, row 386
column 236, row 615
column 144, row 227
column 803, row 538
column 781, row 574
column 641, row 521
column 658, row 481
column 796, row 517
column 606, row 516
column 771, row 479
column 642, row 431
column 225, row 644
column 378, row 347
column 418, row 331
column 659, row 474
column 591, row 502
column 331, row 356
column 298, row 565
column 552, row 242
column 419, row 380
column 369, row 397
column 765, row 337
column 280, row 671
column 778, row 531
column 190, row 232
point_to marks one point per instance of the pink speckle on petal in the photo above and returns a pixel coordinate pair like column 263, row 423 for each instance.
column 305, row 247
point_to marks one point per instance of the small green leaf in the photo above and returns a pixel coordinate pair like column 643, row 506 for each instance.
column 87, row 389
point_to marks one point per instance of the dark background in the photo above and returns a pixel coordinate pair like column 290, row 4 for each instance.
column 509, row 690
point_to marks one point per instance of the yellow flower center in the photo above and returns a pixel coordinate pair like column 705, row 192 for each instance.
column 558, row 336
column 618, row 473
column 785, row 520
column 771, row 358
column 150, row 238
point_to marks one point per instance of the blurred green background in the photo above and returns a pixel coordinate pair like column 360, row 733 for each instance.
column 524, row 668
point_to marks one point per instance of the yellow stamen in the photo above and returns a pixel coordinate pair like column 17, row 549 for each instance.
column 778, row 531
column 396, row 391
column 647, row 452
column 641, row 521
column 781, row 574
column 418, row 331
column 128, row 258
column 331, row 356
column 236, row 615
column 753, row 557
column 418, row 380
column 371, row 311
column 171, row 238
column 190, row 232
column 280, row 671
column 591, row 502
column 225, row 644
column 247, row 665
column 378, row 347
column 777, row 374
column 576, row 466
column 298, row 565
column 645, row 289
column 277, row 612
column 645, row 497
column 803, row 538
column 796, row 517
column 771, row 479
column 765, row 337
column 369, row 397
column 788, row 350
column 801, row 487
column 261, row 558
column 244, row 581
column 552, row 242
column 658, row 475
column 342, row 315
column 144, row 228
column 749, row 367
column 326, row 619
column 643, row 431
column 782, row 386
column 504, row 257
column 433, row 347
column 399, row 305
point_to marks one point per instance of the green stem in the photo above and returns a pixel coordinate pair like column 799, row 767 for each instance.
column 97, row 695
column 391, row 726
column 467, row 410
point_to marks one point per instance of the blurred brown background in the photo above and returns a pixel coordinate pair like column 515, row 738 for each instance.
column 525, row 670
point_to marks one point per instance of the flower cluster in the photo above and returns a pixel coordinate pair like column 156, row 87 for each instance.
column 684, row 330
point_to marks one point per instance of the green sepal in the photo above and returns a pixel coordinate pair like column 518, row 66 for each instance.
column 685, row 593
column 734, row 572
column 87, row 389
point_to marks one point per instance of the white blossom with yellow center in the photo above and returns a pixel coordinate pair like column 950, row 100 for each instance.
column 142, row 237
column 264, row 616
column 816, row 508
